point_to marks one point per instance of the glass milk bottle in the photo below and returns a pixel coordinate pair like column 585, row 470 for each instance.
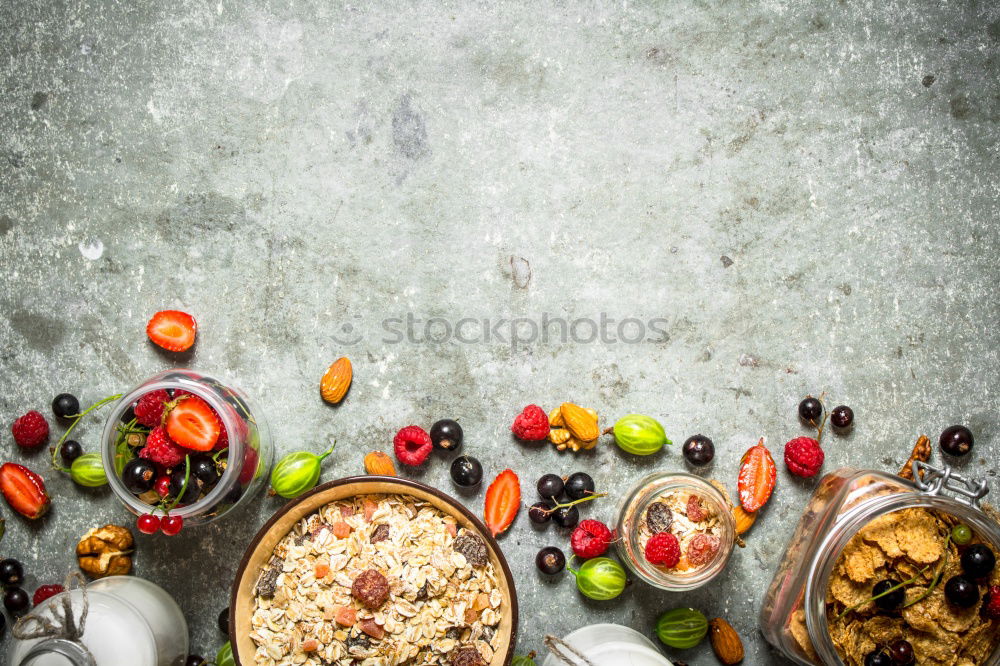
column 129, row 621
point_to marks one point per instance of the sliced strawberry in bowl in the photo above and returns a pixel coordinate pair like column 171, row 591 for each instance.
column 193, row 424
column 172, row 330
column 24, row 490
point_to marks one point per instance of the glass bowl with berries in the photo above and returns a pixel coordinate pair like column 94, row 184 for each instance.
column 676, row 530
column 183, row 449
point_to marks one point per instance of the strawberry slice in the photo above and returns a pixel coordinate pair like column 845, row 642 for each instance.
column 24, row 490
column 193, row 424
column 503, row 499
column 172, row 329
column 757, row 476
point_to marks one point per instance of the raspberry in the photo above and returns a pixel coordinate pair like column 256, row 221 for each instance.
column 149, row 409
column 30, row 430
column 161, row 449
column 46, row 591
column 702, row 548
column 591, row 538
column 412, row 445
column 664, row 550
column 991, row 603
column 532, row 424
column 803, row 456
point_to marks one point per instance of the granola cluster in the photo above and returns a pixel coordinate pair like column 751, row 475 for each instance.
column 907, row 545
column 377, row 580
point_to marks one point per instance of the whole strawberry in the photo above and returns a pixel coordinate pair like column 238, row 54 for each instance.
column 44, row 592
column 412, row 445
column 803, row 456
column 531, row 425
column 663, row 550
column 991, row 603
column 591, row 538
column 31, row 430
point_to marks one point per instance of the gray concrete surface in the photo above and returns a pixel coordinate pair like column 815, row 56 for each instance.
column 804, row 193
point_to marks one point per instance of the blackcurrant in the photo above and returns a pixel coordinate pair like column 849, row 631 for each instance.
column 810, row 410
column 11, row 573
column 842, row 417
column 139, row 475
column 901, row 653
column 878, row 658
column 466, row 471
column 579, row 484
column 978, row 561
column 223, row 621
column 892, row 600
column 203, row 468
column 129, row 414
column 698, row 450
column 65, row 406
column 540, row 512
column 70, row 451
column 961, row 591
column 550, row 486
column 177, row 482
column 550, row 560
column 194, row 660
column 566, row 516
column 16, row 601
column 956, row 440
column 446, row 434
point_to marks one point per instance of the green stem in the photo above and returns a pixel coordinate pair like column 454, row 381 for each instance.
column 569, row 566
column 215, row 457
column 882, row 594
column 577, row 501
column 322, row 456
column 187, row 477
column 76, row 419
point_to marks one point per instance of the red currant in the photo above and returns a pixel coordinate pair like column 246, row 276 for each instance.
column 148, row 523
column 162, row 485
column 172, row 525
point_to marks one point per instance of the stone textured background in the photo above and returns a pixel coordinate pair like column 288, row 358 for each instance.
column 806, row 194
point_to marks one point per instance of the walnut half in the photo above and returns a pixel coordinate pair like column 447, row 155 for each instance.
column 104, row 551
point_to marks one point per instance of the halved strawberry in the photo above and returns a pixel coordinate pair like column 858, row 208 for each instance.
column 24, row 490
column 503, row 499
column 172, row 329
column 757, row 476
column 192, row 424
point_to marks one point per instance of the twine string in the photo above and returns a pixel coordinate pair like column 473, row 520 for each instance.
column 59, row 622
column 557, row 646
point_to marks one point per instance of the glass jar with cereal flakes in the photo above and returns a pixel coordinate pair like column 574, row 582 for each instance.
column 882, row 570
column 676, row 531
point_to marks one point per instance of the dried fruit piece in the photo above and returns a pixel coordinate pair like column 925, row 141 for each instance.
column 725, row 642
column 467, row 656
column 695, row 511
column 370, row 588
column 744, row 520
column 659, row 517
column 24, row 490
column 472, row 547
column 380, row 464
column 503, row 500
column 758, row 474
column 702, row 549
column 580, row 423
column 336, row 381
column 380, row 533
column 372, row 628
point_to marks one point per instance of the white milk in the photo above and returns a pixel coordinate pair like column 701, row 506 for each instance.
column 130, row 621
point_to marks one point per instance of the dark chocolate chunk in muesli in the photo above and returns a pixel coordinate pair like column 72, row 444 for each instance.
column 454, row 633
column 659, row 517
column 268, row 580
column 380, row 533
column 473, row 548
column 422, row 592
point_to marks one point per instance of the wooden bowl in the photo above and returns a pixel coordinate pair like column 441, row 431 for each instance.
column 281, row 523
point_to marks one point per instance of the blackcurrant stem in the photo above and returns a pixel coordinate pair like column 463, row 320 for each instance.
column 576, row 501
column 76, row 419
column 886, row 592
column 187, row 476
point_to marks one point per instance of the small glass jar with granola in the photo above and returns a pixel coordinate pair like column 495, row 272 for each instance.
column 676, row 531
column 882, row 570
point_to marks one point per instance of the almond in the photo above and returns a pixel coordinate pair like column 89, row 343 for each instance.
column 581, row 423
column 725, row 641
column 333, row 387
column 744, row 519
column 380, row 464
